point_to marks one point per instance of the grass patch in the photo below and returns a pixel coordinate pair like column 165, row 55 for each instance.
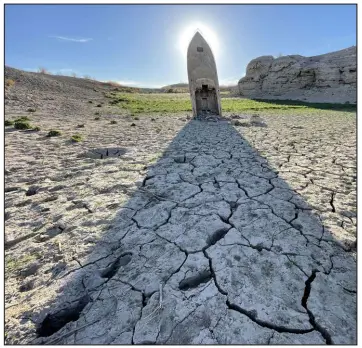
column 158, row 102
column 54, row 133
column 324, row 106
column 22, row 125
column 76, row 138
column 137, row 103
column 8, row 123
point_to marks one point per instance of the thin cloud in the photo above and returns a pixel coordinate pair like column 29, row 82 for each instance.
column 71, row 39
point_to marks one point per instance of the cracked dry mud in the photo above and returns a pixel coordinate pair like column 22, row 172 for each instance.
column 246, row 233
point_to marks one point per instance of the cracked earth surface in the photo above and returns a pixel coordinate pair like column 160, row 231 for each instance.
column 183, row 232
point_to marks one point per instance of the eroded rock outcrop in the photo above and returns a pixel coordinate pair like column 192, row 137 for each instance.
column 328, row 78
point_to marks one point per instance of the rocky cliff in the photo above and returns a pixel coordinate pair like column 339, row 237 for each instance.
column 327, row 78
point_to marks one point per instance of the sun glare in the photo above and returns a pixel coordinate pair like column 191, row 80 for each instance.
column 205, row 31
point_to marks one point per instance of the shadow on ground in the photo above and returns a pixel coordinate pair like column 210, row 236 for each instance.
column 213, row 248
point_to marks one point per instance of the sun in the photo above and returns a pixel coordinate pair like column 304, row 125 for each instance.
column 209, row 35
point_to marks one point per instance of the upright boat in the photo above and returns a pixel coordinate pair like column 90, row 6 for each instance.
column 203, row 80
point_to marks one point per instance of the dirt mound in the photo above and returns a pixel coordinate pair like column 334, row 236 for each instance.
column 49, row 92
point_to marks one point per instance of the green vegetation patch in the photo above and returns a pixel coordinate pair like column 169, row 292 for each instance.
column 8, row 123
column 22, row 125
column 304, row 105
column 76, row 138
column 244, row 105
column 180, row 102
column 155, row 102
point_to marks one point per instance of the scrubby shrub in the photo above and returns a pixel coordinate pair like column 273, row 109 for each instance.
column 97, row 118
column 80, row 126
column 76, row 138
column 31, row 110
column 54, row 133
column 8, row 123
column 9, row 82
column 22, row 125
column 113, row 122
column 136, row 118
column 90, row 101
column 97, row 113
column 36, row 129
column 99, row 105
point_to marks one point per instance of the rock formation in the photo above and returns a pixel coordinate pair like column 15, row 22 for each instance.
column 327, row 78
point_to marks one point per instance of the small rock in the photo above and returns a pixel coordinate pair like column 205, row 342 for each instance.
column 237, row 123
column 27, row 286
column 61, row 225
column 11, row 189
column 56, row 188
column 32, row 191
column 30, row 269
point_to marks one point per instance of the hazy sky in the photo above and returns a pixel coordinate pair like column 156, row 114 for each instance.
column 145, row 45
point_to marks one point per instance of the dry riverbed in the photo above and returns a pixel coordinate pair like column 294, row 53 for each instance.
column 160, row 229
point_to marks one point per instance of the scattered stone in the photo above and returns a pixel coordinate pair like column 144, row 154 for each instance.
column 32, row 191
column 54, row 133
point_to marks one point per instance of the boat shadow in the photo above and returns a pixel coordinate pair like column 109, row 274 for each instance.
column 213, row 238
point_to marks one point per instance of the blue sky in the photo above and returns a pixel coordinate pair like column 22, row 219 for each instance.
column 144, row 45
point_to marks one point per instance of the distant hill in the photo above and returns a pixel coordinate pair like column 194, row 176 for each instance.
column 183, row 87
